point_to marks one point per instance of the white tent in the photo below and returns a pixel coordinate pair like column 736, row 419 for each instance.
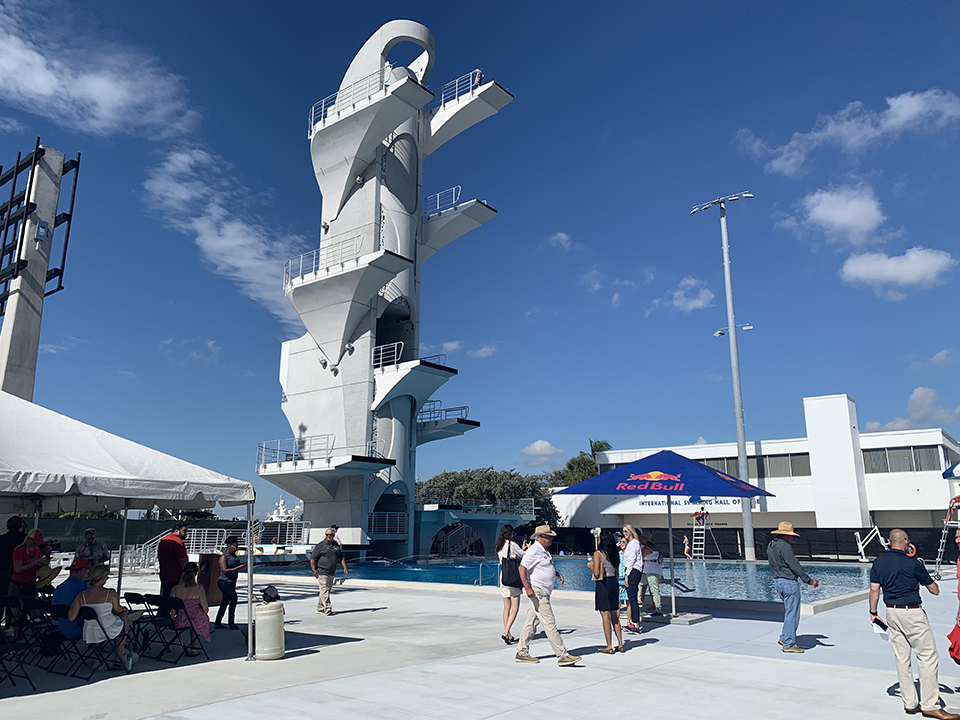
column 50, row 462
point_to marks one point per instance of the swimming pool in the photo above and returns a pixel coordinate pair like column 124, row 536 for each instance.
column 705, row 579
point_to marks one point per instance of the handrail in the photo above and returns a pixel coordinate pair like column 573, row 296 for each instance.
column 387, row 523
column 432, row 414
column 389, row 354
column 323, row 258
column 456, row 88
column 518, row 506
column 479, row 581
column 441, row 201
column 308, row 449
column 347, row 97
column 440, row 359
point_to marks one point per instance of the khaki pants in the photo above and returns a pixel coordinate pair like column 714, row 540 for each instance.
column 910, row 630
column 540, row 611
column 323, row 603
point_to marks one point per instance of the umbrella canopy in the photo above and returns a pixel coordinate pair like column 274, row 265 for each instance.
column 665, row 473
column 952, row 472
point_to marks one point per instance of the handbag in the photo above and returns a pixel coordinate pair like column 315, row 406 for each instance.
column 510, row 571
column 598, row 577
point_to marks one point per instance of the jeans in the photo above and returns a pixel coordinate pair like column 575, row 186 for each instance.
column 633, row 590
column 228, row 602
column 789, row 592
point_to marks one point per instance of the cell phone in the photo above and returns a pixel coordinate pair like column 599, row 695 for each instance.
column 880, row 624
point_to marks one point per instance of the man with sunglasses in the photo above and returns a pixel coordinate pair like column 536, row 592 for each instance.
column 323, row 563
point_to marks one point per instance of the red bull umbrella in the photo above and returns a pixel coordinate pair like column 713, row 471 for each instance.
column 666, row 473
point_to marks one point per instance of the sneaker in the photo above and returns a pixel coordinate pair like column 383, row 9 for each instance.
column 129, row 660
column 329, row 612
column 527, row 658
column 568, row 659
column 780, row 641
column 793, row 649
column 218, row 626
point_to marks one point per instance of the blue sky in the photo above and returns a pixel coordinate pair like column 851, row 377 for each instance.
column 587, row 308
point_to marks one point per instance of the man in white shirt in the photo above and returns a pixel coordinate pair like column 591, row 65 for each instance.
column 538, row 575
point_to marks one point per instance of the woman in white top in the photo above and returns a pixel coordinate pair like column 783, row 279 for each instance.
column 633, row 566
column 506, row 547
column 112, row 615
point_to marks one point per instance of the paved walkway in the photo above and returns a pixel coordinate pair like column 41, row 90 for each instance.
column 415, row 651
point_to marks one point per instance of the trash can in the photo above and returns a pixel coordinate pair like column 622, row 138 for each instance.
column 268, row 639
column 209, row 567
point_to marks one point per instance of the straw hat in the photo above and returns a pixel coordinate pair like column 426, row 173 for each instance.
column 543, row 530
column 785, row 528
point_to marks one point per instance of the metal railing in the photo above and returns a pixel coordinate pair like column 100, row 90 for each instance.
column 308, row 449
column 387, row 523
column 481, row 577
column 287, row 532
column 384, row 355
column 434, row 413
column 454, row 89
column 346, row 98
column 441, row 201
column 440, row 359
column 518, row 506
column 458, row 541
column 323, row 258
column 199, row 540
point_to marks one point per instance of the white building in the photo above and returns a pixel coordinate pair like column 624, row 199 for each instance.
column 835, row 477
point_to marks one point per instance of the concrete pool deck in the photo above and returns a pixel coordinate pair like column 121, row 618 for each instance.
column 434, row 651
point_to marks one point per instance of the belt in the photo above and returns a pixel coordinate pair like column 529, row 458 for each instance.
column 904, row 607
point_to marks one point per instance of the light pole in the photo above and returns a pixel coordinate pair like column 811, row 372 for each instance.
column 749, row 549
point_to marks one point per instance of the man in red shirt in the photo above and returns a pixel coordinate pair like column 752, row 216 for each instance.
column 172, row 556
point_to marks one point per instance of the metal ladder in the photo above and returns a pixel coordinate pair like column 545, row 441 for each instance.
column 699, row 542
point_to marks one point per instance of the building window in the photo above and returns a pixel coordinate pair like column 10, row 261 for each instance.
column 778, row 465
column 900, row 459
column 924, row 458
column 927, row 458
column 875, row 461
column 800, row 465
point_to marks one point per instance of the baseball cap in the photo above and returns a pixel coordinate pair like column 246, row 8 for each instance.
column 79, row 564
column 36, row 536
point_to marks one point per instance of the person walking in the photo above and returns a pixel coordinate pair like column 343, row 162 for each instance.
column 505, row 548
column 539, row 575
column 323, row 564
column 652, row 573
column 230, row 567
column 633, row 567
column 786, row 569
column 606, row 601
column 172, row 557
column 900, row 578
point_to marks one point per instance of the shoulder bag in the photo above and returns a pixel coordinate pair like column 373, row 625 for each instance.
column 510, row 570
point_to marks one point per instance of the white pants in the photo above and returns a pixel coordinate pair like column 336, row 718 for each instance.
column 541, row 611
column 910, row 630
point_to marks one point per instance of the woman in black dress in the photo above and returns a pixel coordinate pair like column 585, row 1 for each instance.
column 230, row 566
column 604, row 566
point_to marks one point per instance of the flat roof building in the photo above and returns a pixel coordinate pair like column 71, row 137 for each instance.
column 835, row 477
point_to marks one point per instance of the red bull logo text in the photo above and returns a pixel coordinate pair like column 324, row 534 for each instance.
column 664, row 482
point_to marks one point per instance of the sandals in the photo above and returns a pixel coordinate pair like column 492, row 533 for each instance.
column 510, row 639
column 621, row 648
column 607, row 651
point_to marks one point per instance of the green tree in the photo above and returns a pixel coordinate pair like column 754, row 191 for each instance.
column 581, row 466
column 489, row 485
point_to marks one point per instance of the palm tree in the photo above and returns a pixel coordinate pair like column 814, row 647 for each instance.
column 597, row 446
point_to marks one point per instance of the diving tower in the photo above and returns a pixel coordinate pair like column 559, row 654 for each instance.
column 356, row 391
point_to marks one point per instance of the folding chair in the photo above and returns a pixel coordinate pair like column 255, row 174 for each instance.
column 66, row 648
column 100, row 652
column 176, row 604
column 11, row 665
column 168, row 635
column 36, row 621
column 143, row 628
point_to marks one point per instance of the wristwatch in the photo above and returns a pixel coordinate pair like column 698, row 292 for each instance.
column 873, row 612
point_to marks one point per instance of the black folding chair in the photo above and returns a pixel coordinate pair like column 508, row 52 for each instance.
column 176, row 604
column 36, row 622
column 58, row 647
column 100, row 652
column 11, row 664
column 143, row 630
column 167, row 634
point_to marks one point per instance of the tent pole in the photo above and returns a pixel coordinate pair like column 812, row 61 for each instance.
column 250, row 558
column 673, row 575
column 38, row 503
column 123, row 544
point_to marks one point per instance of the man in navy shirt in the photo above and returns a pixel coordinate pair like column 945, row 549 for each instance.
column 67, row 591
column 900, row 578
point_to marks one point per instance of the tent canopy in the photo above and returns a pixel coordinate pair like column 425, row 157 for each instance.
column 72, row 466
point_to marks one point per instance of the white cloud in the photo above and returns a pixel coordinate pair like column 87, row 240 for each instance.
column 922, row 410
column 194, row 196
column 451, row 346
column 615, row 300
column 179, row 351
column 64, row 346
column 619, row 282
column 855, row 128
column 889, row 276
column 691, row 294
column 649, row 274
column 592, row 279
column 482, row 352
column 701, row 441
column 10, row 125
column 845, row 214
column 562, row 242
column 711, row 377
column 541, row 447
column 945, row 358
column 84, row 84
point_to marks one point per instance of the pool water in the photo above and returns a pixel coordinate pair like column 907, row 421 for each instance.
column 704, row 579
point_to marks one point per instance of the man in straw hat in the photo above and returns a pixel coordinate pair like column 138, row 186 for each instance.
column 900, row 578
column 787, row 573
column 538, row 575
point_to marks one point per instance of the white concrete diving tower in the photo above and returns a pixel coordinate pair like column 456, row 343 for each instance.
column 356, row 392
